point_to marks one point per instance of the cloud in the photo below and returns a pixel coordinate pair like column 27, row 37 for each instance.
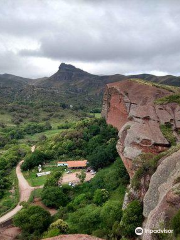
column 104, row 36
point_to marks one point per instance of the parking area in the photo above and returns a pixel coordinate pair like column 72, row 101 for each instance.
column 71, row 177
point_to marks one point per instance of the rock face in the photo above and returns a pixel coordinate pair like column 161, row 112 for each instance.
column 74, row 237
column 162, row 199
column 129, row 106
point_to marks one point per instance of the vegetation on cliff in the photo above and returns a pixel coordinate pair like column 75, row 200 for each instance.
column 175, row 98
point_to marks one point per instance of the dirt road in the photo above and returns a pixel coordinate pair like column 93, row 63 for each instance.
column 25, row 191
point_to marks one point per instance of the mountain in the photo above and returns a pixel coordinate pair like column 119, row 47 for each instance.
column 69, row 85
column 167, row 80
column 11, row 81
column 72, row 79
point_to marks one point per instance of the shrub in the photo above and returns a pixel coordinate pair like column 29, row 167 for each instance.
column 103, row 156
column 132, row 218
column 100, row 196
column 167, row 131
column 81, row 176
column 175, row 222
column 85, row 220
column 54, row 197
column 32, row 219
column 60, row 225
column 110, row 213
column 33, row 160
column 53, row 179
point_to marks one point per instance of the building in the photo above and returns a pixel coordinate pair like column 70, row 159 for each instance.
column 42, row 174
column 73, row 164
column 62, row 164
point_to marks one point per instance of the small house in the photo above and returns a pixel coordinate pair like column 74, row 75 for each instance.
column 77, row 164
column 62, row 164
column 73, row 164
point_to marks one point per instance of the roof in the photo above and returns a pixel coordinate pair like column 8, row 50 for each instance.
column 71, row 164
column 77, row 163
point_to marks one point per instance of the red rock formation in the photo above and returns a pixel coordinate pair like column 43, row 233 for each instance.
column 129, row 106
column 74, row 237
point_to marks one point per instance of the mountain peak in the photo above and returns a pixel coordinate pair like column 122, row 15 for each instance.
column 64, row 66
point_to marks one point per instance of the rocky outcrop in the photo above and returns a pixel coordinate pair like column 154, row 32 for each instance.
column 129, row 106
column 74, row 237
column 162, row 199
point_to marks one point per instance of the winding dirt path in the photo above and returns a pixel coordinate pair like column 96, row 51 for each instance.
column 25, row 191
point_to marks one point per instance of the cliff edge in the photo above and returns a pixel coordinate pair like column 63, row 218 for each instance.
column 147, row 116
column 130, row 107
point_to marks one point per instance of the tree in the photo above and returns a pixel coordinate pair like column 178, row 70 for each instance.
column 100, row 196
column 53, row 179
column 32, row 219
column 85, row 220
column 131, row 219
column 103, row 155
column 33, row 160
column 61, row 225
column 81, row 176
column 110, row 213
column 54, row 197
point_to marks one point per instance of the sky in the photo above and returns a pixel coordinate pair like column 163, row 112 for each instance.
column 98, row 36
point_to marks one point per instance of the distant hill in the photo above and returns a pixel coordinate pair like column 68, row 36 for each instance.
column 167, row 80
column 68, row 85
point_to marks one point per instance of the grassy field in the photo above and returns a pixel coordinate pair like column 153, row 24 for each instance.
column 48, row 133
column 35, row 194
column 37, row 181
column 6, row 118
column 96, row 115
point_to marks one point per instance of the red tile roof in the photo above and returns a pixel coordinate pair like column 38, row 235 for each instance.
column 77, row 163
column 72, row 164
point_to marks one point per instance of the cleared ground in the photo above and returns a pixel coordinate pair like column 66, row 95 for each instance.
column 71, row 177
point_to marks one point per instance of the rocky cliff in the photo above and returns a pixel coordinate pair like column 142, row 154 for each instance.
column 74, row 237
column 147, row 131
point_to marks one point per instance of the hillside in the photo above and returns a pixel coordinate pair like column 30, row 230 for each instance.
column 68, row 85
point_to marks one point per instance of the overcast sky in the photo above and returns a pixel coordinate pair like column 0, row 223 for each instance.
column 99, row 36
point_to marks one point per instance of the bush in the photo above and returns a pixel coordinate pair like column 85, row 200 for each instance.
column 54, row 197
column 175, row 222
column 53, row 179
column 85, row 220
column 60, row 225
column 100, row 196
column 33, row 160
column 167, row 131
column 131, row 219
column 103, row 156
column 32, row 219
column 110, row 213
